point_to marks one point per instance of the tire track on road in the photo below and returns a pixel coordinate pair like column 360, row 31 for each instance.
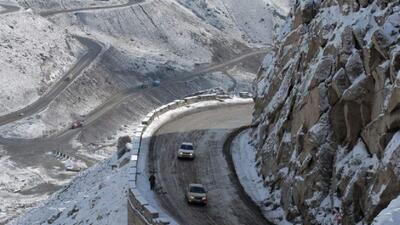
column 208, row 130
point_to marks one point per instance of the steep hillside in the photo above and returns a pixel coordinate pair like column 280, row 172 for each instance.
column 39, row 5
column 169, row 41
column 327, row 108
column 151, row 40
column 31, row 63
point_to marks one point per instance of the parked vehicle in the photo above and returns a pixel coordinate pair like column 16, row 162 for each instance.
column 196, row 194
column 186, row 151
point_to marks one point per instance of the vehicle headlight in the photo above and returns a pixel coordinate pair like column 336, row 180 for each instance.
column 190, row 154
column 191, row 197
column 180, row 153
column 204, row 198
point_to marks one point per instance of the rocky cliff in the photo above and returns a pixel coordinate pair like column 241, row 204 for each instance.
column 328, row 112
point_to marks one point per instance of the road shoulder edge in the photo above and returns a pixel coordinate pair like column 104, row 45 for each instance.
column 142, row 207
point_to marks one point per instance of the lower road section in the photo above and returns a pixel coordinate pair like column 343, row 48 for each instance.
column 227, row 204
column 8, row 8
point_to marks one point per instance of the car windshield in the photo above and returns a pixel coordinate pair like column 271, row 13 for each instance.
column 187, row 147
column 197, row 190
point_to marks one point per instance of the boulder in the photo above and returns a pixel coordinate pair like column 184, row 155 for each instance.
column 340, row 82
column 354, row 66
column 359, row 90
column 394, row 100
column 373, row 133
column 381, row 42
column 394, row 65
column 353, row 121
column 305, row 12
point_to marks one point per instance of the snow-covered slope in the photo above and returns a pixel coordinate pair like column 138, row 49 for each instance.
column 327, row 104
column 254, row 19
column 151, row 40
column 40, row 5
column 31, row 62
column 144, row 39
column 390, row 215
column 96, row 196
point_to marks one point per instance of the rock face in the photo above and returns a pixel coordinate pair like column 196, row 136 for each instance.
column 328, row 112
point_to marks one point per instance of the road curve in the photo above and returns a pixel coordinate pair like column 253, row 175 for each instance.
column 236, row 60
column 8, row 8
column 94, row 50
column 228, row 204
column 112, row 102
column 54, row 12
column 128, row 93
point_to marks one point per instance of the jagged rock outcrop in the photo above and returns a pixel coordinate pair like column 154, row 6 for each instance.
column 328, row 112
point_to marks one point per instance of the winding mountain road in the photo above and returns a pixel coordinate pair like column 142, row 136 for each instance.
column 54, row 12
column 8, row 8
column 93, row 51
column 227, row 205
column 60, row 140
column 227, row 202
column 113, row 101
column 237, row 60
column 31, row 151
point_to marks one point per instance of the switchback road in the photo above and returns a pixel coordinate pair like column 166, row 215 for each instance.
column 93, row 51
column 227, row 204
column 60, row 11
column 8, row 8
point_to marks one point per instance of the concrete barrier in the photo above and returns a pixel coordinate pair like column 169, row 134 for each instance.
column 139, row 211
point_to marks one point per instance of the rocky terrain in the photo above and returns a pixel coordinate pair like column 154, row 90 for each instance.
column 131, row 43
column 328, row 112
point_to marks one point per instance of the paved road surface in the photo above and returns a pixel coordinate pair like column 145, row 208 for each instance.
column 8, row 8
column 208, row 130
column 35, row 149
column 115, row 100
column 226, row 205
column 94, row 50
column 54, row 12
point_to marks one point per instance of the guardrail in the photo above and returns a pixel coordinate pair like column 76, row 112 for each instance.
column 139, row 211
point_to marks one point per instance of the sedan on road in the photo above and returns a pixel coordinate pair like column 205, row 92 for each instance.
column 186, row 151
column 196, row 194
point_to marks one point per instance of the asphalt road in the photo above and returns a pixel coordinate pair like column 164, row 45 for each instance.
column 8, row 8
column 54, row 12
column 112, row 102
column 94, row 50
column 227, row 204
column 31, row 151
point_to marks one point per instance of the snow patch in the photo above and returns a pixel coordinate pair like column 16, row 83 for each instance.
column 244, row 158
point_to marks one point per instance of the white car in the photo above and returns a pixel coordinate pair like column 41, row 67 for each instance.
column 196, row 194
column 186, row 151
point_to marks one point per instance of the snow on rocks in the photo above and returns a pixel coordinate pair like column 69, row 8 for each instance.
column 390, row 215
column 331, row 85
column 244, row 158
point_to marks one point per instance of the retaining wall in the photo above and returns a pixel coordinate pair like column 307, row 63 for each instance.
column 139, row 211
